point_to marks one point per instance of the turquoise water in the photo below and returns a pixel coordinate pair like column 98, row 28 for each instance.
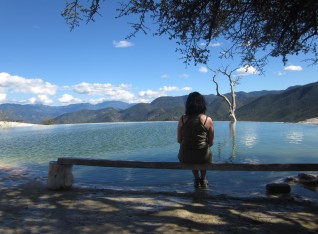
column 246, row 142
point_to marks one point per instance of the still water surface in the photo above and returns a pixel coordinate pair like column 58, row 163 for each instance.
column 246, row 142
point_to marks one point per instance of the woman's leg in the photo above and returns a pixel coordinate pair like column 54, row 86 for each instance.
column 196, row 174
column 203, row 180
column 196, row 178
column 203, row 174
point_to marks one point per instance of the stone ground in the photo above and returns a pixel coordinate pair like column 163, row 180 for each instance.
column 26, row 206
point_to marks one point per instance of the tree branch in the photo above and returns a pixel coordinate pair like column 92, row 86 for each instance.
column 217, row 90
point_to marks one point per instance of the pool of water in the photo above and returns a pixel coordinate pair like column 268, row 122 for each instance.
column 245, row 142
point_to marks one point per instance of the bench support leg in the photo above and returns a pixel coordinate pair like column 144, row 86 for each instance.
column 60, row 176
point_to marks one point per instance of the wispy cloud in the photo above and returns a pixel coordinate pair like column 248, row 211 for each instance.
column 149, row 95
column 174, row 88
column 280, row 73
column 215, row 44
column 185, row 76
column 293, row 68
column 165, row 76
column 182, row 76
column 122, row 44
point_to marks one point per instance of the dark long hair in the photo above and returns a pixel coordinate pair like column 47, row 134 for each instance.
column 195, row 104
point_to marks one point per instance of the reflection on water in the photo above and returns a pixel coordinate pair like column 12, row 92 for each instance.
column 241, row 142
column 228, row 148
column 229, row 142
column 249, row 138
column 233, row 134
column 295, row 137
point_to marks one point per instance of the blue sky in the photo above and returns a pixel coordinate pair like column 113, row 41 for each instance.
column 42, row 61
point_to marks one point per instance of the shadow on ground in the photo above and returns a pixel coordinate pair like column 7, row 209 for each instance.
column 30, row 208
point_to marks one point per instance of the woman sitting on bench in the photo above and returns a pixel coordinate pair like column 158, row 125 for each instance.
column 196, row 136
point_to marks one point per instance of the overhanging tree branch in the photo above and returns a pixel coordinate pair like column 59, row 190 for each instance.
column 279, row 28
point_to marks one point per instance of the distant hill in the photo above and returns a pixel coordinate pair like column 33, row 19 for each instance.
column 163, row 102
column 30, row 113
column 219, row 109
column 89, row 116
column 39, row 113
column 161, row 109
column 294, row 104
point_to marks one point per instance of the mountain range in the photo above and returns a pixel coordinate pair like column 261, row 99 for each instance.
column 294, row 104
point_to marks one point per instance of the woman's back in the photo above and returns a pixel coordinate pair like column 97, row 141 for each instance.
column 194, row 132
column 194, row 146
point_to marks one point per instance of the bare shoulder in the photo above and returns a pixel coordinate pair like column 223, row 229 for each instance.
column 210, row 119
column 205, row 117
column 207, row 120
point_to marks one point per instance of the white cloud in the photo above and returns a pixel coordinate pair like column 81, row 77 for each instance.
column 203, row 69
column 30, row 101
column 39, row 99
column 173, row 88
column 165, row 76
column 122, row 44
column 68, row 99
column 216, row 44
column 91, row 89
column 3, row 97
column 293, row 68
column 23, row 85
column 107, row 90
column 96, row 101
column 247, row 70
column 99, row 89
column 44, row 99
column 149, row 95
column 36, row 91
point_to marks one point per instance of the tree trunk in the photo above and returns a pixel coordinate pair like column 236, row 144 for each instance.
column 232, row 116
column 232, row 103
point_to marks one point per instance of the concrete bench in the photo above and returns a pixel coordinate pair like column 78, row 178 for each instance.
column 60, row 172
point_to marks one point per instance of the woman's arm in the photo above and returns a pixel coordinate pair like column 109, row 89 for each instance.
column 210, row 128
column 179, row 131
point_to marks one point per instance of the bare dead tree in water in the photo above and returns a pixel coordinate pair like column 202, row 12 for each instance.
column 233, row 81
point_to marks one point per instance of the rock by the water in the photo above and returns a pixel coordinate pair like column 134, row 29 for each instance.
column 278, row 188
column 308, row 180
